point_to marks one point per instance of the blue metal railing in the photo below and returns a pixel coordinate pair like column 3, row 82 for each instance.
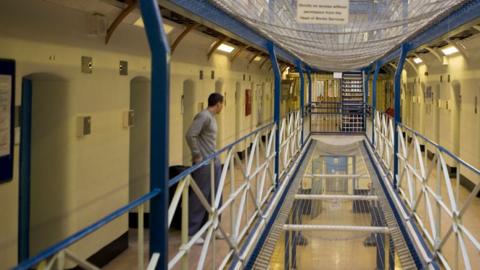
column 51, row 251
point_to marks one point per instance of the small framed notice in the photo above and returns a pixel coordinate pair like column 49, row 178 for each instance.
column 334, row 12
column 7, row 99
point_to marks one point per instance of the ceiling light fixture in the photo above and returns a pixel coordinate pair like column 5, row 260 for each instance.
column 449, row 50
column 417, row 60
column 225, row 48
column 257, row 59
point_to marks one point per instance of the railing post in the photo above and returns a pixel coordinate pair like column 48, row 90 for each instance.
column 309, row 76
column 398, row 77
column 160, row 52
column 276, row 104
column 374, row 98
column 366, row 78
column 302, row 94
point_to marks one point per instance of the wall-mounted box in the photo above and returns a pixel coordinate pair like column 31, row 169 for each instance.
column 84, row 126
column 128, row 119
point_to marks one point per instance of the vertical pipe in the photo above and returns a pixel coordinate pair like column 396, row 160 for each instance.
column 309, row 76
column 276, row 104
column 398, row 77
column 302, row 93
column 365, row 101
column 24, row 186
column 374, row 98
column 159, row 124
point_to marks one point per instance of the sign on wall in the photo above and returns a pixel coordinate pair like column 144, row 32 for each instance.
column 323, row 11
column 7, row 99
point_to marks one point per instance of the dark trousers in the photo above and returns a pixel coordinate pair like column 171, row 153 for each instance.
column 197, row 214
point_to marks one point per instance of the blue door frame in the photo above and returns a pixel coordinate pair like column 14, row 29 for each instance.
column 24, row 183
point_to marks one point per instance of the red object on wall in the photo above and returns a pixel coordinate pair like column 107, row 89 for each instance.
column 248, row 102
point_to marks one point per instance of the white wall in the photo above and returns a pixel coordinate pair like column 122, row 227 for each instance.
column 458, row 127
column 45, row 38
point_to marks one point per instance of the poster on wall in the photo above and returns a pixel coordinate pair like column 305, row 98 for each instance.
column 7, row 98
column 248, row 102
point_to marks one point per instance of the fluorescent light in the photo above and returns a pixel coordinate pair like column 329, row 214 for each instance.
column 257, row 59
column 166, row 27
column 417, row 60
column 449, row 50
column 225, row 48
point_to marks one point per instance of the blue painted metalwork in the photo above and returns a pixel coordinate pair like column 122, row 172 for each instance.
column 397, row 89
column 276, row 104
column 309, row 76
column 24, row 185
column 374, row 98
column 414, row 250
column 464, row 14
column 302, row 93
column 210, row 12
column 48, row 253
column 159, row 124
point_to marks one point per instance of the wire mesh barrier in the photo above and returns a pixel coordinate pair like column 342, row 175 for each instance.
column 240, row 198
column 445, row 211
column 373, row 28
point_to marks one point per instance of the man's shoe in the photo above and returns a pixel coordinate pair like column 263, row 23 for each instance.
column 199, row 241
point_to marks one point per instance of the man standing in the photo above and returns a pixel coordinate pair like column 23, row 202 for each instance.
column 201, row 138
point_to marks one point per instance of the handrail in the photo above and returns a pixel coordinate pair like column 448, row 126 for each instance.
column 207, row 160
column 442, row 149
column 52, row 250
column 27, row 264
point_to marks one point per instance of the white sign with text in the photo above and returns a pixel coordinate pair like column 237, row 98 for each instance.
column 323, row 11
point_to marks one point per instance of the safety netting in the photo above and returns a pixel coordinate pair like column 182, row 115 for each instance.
column 370, row 30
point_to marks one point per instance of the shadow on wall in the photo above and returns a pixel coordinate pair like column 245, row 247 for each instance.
column 188, row 111
column 52, row 133
column 139, row 158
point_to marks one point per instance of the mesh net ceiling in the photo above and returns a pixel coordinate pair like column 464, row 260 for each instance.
column 374, row 28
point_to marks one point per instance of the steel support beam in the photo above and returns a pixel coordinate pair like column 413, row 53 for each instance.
column 215, row 46
column 374, row 98
column 132, row 4
column 159, row 124
column 276, row 104
column 397, row 88
column 238, row 52
column 324, row 197
column 183, row 35
column 337, row 228
column 302, row 94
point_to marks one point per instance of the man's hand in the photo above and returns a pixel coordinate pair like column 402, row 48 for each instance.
column 196, row 159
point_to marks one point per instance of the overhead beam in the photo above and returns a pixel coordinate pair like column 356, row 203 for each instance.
column 183, row 35
column 253, row 58
column 336, row 228
column 412, row 65
column 216, row 45
column 461, row 48
column 435, row 53
column 336, row 175
column 322, row 197
column 263, row 62
column 131, row 5
column 238, row 52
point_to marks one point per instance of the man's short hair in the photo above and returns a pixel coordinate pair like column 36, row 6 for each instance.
column 214, row 99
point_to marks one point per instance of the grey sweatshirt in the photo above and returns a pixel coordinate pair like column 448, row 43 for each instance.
column 202, row 134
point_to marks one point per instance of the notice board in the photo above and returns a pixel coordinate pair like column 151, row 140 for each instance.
column 7, row 105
